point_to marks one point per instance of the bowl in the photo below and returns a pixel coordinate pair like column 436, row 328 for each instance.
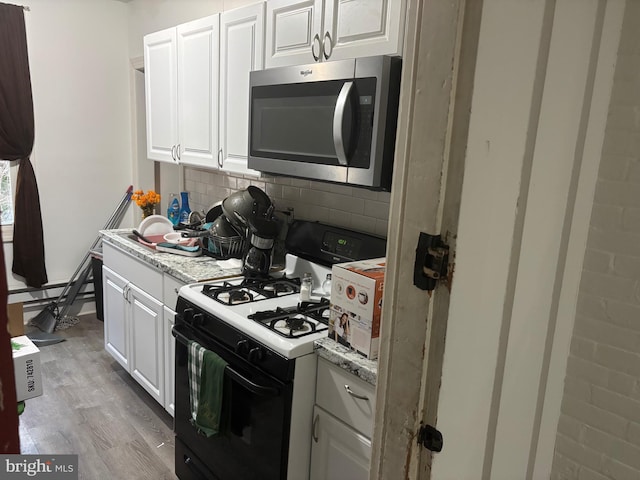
column 174, row 237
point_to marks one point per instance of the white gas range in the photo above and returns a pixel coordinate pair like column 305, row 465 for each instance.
column 266, row 335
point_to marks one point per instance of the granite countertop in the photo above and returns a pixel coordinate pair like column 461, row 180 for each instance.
column 347, row 359
column 199, row 269
column 186, row 269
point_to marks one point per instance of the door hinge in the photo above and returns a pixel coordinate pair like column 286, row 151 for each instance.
column 430, row 438
column 432, row 261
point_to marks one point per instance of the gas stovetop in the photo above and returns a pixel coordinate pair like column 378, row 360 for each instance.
column 248, row 289
column 268, row 310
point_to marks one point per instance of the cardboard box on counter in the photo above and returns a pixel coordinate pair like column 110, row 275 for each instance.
column 26, row 364
column 356, row 305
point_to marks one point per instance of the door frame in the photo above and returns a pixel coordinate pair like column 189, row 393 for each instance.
column 435, row 101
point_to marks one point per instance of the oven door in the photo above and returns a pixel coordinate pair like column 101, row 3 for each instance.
column 316, row 127
column 258, row 409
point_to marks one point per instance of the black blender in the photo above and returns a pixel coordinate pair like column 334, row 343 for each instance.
column 257, row 260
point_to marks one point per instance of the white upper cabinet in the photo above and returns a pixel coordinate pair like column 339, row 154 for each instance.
column 293, row 32
column 306, row 31
column 160, row 65
column 198, row 63
column 181, row 80
column 241, row 50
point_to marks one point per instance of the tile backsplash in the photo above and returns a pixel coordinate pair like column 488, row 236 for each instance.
column 340, row 205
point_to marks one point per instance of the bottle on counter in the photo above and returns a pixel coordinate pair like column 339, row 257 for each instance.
column 185, row 210
column 173, row 210
column 306, row 286
column 326, row 285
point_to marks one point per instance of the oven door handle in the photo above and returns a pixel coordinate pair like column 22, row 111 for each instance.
column 253, row 387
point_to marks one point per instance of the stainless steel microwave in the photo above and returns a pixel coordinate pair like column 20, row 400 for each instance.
column 332, row 121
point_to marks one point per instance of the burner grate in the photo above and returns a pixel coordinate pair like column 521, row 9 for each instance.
column 251, row 290
column 303, row 319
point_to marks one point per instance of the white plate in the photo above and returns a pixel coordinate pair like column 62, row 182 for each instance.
column 155, row 225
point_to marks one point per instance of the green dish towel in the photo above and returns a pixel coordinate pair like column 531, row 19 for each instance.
column 206, row 380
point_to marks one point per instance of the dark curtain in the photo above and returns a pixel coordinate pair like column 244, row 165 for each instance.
column 16, row 143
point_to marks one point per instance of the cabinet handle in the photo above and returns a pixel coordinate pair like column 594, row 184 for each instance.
column 324, row 48
column 313, row 49
column 178, row 152
column 354, row 394
column 220, row 160
column 173, row 153
column 314, row 432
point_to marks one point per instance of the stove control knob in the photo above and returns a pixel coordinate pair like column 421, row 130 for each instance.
column 255, row 355
column 187, row 315
column 198, row 320
column 242, row 347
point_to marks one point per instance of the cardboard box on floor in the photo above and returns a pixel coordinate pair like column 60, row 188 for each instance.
column 16, row 319
column 26, row 364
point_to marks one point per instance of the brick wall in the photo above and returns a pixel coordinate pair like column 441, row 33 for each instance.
column 341, row 205
column 599, row 429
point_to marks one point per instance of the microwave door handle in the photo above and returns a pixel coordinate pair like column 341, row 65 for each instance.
column 338, row 119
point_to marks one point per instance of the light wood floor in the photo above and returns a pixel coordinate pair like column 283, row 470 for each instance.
column 92, row 407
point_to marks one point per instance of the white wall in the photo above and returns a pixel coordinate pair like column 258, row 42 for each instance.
column 599, row 428
column 147, row 16
column 82, row 152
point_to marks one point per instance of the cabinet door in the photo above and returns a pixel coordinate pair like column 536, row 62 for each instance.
column 160, row 77
column 362, row 28
column 116, row 322
column 198, row 64
column 337, row 452
column 293, row 32
column 241, row 50
column 147, row 342
column 169, row 362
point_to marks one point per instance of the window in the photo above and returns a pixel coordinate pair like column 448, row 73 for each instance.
column 7, row 192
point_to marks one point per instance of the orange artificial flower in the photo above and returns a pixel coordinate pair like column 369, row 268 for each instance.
column 145, row 199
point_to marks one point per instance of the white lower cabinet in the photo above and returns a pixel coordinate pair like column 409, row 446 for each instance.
column 139, row 303
column 147, row 342
column 116, row 324
column 338, row 452
column 342, row 425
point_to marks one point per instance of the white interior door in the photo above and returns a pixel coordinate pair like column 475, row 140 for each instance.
column 515, row 177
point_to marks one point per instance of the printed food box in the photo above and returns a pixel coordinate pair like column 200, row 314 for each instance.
column 356, row 305
column 26, row 363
